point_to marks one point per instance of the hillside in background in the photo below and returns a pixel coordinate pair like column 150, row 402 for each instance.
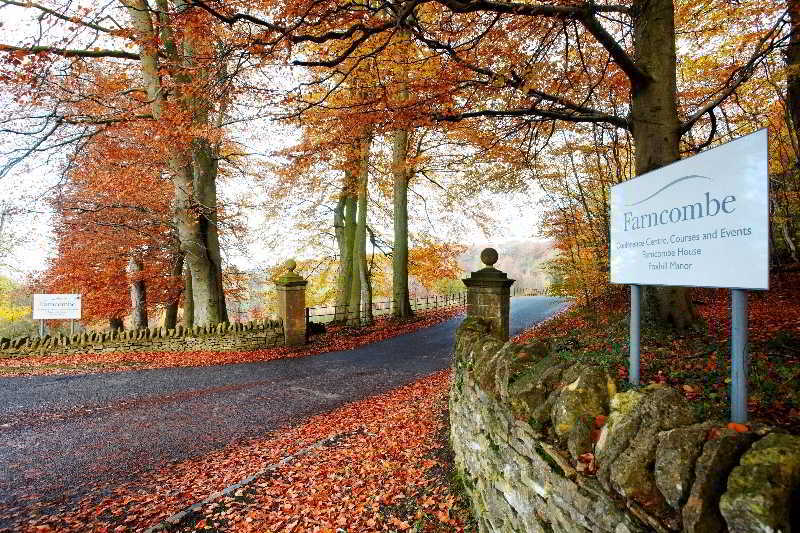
column 522, row 260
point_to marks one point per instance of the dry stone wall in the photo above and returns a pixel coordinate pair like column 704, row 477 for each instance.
column 522, row 422
column 234, row 336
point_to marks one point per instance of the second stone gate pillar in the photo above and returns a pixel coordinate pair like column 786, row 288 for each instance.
column 291, row 290
column 489, row 295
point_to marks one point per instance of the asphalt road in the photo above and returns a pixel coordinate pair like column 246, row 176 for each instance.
column 62, row 435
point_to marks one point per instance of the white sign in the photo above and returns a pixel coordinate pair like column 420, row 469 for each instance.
column 56, row 306
column 701, row 221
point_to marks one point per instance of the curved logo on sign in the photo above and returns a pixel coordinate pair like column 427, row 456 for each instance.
column 668, row 185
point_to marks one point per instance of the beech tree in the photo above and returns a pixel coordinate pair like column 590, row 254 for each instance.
column 174, row 88
column 195, row 166
column 643, row 51
column 498, row 52
column 353, row 282
column 360, row 304
column 331, row 164
column 116, row 242
column 400, row 182
column 138, row 293
column 516, row 72
column 591, row 158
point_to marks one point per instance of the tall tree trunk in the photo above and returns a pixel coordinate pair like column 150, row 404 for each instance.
column 341, row 276
column 366, row 292
column 366, row 279
column 400, row 175
column 363, row 270
column 346, row 242
column 171, row 312
column 350, row 206
column 360, row 234
column 196, row 219
column 656, row 129
column 205, row 259
column 354, row 303
column 205, row 185
column 188, row 298
column 193, row 228
column 194, row 174
column 402, row 304
column 194, row 178
column 138, row 294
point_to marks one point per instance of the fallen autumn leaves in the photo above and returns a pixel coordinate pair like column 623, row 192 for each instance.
column 336, row 339
column 386, row 472
column 697, row 362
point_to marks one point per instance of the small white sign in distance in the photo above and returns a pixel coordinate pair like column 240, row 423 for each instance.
column 699, row 222
column 56, row 306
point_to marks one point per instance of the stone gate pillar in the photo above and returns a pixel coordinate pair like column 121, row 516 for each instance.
column 489, row 295
column 291, row 290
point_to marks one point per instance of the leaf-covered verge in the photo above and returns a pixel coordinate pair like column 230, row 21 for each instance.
column 336, row 338
column 389, row 468
column 395, row 475
column 697, row 362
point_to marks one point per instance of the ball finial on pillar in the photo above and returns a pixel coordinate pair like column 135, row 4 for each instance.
column 489, row 256
column 291, row 264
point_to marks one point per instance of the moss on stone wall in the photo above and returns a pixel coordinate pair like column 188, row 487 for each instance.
column 522, row 426
column 225, row 336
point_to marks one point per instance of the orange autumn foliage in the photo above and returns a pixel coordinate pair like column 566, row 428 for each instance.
column 435, row 261
column 114, row 207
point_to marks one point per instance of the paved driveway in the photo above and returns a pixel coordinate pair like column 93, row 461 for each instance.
column 59, row 436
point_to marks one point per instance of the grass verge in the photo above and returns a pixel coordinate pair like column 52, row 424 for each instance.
column 697, row 361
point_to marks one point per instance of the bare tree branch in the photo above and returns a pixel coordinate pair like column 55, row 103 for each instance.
column 68, row 52
column 745, row 72
column 54, row 13
column 564, row 115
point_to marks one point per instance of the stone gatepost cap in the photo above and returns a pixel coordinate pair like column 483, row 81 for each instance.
column 290, row 278
column 489, row 256
column 488, row 275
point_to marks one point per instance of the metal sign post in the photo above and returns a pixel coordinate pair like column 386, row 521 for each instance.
column 636, row 301
column 41, row 328
column 739, row 356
